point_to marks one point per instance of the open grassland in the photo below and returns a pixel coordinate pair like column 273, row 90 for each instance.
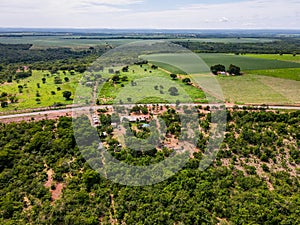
column 260, row 90
column 146, row 85
column 288, row 73
column 30, row 91
column 284, row 57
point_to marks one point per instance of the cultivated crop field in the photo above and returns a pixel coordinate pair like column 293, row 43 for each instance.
column 288, row 73
column 284, row 57
column 245, row 62
column 260, row 90
column 191, row 64
column 48, row 93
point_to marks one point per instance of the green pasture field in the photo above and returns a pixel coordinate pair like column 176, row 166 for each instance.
column 144, row 90
column 168, row 67
column 27, row 99
column 189, row 62
column 289, row 73
column 284, row 57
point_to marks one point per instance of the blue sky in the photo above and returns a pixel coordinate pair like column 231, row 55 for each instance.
column 172, row 14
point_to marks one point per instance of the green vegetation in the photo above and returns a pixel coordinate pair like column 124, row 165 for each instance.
column 254, row 180
column 83, row 41
column 168, row 67
column 291, row 74
column 26, row 91
column 146, row 85
column 245, row 62
column 46, row 179
column 22, row 53
column 227, row 40
column 259, row 89
column 188, row 62
column 280, row 46
column 191, row 64
column 45, row 42
column 282, row 57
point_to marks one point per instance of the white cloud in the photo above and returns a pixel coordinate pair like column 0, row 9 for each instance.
column 261, row 13
column 113, row 2
column 224, row 19
column 120, row 14
column 69, row 6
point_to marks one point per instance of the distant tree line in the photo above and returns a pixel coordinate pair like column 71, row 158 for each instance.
column 280, row 46
column 22, row 53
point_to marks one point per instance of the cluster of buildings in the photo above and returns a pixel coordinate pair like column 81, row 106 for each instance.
column 133, row 119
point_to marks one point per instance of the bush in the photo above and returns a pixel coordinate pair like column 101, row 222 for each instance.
column 265, row 167
column 217, row 68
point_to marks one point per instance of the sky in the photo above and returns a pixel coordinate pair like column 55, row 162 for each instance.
column 151, row 14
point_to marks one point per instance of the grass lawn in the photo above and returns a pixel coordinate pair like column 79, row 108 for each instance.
column 27, row 99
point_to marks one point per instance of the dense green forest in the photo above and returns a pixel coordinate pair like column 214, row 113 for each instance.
column 16, row 53
column 254, row 180
column 16, row 56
